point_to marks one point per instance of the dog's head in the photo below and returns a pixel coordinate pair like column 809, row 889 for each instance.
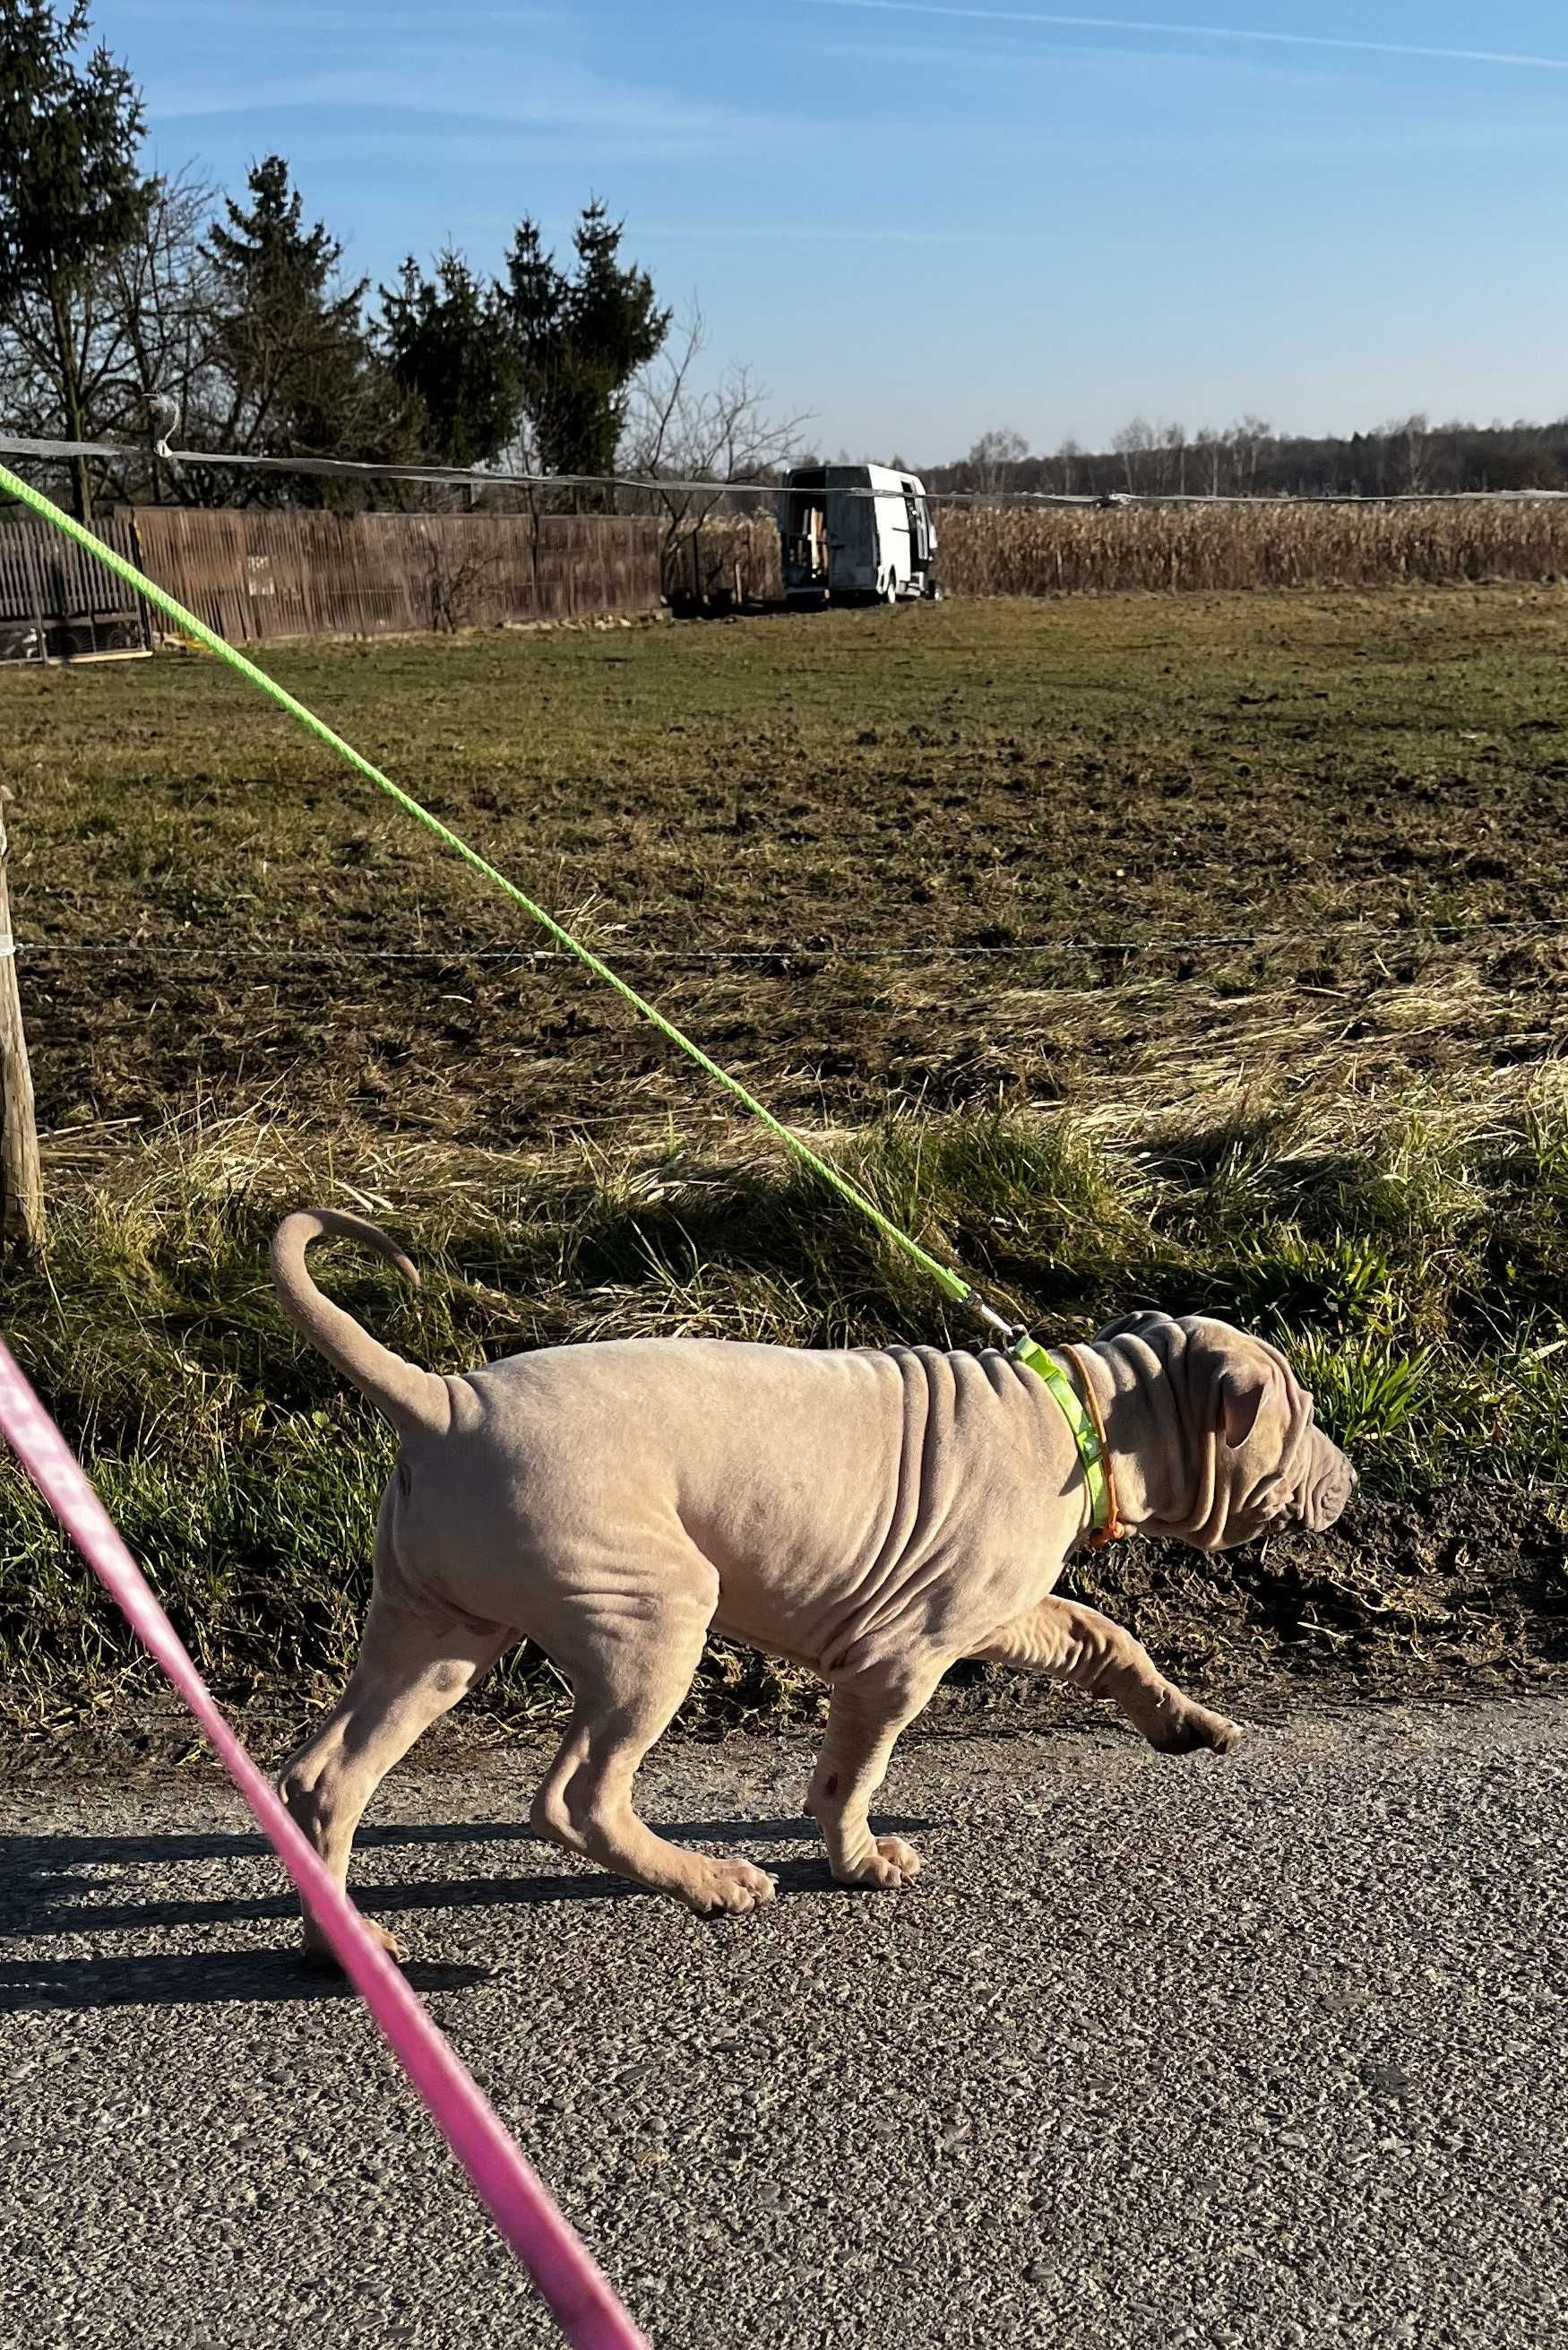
column 1241, row 1454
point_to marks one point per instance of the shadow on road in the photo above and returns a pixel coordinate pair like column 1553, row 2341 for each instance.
column 42, row 1895
column 194, row 1978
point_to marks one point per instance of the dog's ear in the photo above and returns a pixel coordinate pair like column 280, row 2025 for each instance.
column 1238, row 1398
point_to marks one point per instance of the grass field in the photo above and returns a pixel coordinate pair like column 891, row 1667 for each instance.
column 1202, row 952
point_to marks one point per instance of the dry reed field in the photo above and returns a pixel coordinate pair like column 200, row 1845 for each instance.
column 1064, row 551
column 1203, row 951
column 1070, row 551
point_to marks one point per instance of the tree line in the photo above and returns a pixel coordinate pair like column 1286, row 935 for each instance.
column 137, row 306
column 1409, row 457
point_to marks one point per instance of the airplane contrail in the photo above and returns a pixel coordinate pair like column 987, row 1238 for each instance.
column 1200, row 33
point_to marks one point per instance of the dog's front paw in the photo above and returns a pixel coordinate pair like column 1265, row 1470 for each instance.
column 728, row 1889
column 891, row 1865
column 1195, row 1727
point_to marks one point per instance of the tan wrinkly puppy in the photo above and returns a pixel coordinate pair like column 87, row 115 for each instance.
column 875, row 1514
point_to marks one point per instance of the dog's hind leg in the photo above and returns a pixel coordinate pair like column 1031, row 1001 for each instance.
column 866, row 1712
column 629, row 1671
column 1097, row 1657
column 413, row 1666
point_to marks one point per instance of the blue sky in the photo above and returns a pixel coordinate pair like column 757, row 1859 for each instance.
column 917, row 222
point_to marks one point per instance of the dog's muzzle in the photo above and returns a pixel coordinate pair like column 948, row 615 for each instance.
column 1329, row 1484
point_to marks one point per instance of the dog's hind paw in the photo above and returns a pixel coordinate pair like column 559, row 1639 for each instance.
column 319, row 1955
column 728, row 1889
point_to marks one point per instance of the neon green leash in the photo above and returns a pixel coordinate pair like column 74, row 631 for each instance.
column 961, row 1293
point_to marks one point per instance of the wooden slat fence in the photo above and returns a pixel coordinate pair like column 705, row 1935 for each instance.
column 54, row 599
column 254, row 575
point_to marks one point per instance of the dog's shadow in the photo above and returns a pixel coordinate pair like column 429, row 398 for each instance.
column 41, row 1894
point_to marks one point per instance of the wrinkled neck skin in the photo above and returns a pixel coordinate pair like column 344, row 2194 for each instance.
column 1168, row 1478
column 1211, row 1433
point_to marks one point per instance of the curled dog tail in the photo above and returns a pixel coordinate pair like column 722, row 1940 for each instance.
column 416, row 1402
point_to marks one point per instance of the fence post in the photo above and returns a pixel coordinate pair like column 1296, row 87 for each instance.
column 21, row 1176
column 29, row 536
column 143, row 609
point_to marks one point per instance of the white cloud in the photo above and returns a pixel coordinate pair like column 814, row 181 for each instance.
column 565, row 116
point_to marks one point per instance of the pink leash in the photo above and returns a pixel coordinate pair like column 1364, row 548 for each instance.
column 585, row 2308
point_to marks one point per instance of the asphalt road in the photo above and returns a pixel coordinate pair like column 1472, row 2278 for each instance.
column 1267, row 2051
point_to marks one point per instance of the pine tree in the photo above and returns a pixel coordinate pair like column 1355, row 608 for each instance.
column 449, row 346
column 301, row 375
column 580, row 339
column 71, row 190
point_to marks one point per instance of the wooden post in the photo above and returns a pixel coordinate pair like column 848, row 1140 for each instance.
column 29, row 536
column 21, row 1176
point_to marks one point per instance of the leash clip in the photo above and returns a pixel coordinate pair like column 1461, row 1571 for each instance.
column 1007, row 1331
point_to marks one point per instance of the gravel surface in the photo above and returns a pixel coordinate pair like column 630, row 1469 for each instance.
column 1267, row 2051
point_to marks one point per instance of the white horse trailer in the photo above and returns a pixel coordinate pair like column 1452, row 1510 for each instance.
column 855, row 533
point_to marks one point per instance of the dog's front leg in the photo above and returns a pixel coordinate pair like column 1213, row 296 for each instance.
column 867, row 1710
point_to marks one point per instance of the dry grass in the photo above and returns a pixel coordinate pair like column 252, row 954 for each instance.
column 916, row 819
column 986, row 551
column 729, row 556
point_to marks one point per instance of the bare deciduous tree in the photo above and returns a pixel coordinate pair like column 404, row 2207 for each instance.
column 691, row 439
column 462, row 571
column 1409, row 440
column 990, row 456
column 160, row 291
column 140, row 326
column 1246, row 440
column 1135, row 444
